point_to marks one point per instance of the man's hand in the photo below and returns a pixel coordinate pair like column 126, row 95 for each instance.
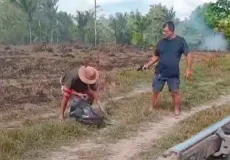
column 189, row 60
column 81, row 95
column 145, row 66
column 101, row 108
column 188, row 73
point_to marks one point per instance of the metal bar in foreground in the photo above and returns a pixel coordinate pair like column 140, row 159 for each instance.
column 212, row 141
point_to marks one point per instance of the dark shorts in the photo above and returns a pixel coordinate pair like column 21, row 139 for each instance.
column 159, row 82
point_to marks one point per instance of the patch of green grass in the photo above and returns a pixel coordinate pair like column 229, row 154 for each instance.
column 186, row 129
column 129, row 113
column 26, row 142
column 125, row 81
column 129, row 80
column 132, row 78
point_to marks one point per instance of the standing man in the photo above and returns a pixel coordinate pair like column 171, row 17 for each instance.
column 82, row 84
column 168, row 54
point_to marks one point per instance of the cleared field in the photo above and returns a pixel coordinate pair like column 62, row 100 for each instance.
column 31, row 95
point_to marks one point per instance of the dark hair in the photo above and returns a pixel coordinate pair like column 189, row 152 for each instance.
column 170, row 25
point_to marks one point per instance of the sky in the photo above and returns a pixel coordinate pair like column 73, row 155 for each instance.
column 183, row 8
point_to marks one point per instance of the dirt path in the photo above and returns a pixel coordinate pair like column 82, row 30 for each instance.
column 127, row 149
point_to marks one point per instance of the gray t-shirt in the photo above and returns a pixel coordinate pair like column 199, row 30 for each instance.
column 169, row 52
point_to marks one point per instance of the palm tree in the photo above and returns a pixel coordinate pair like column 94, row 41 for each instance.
column 50, row 9
column 82, row 19
column 29, row 7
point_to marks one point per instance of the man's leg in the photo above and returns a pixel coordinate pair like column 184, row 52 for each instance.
column 174, row 88
column 158, row 85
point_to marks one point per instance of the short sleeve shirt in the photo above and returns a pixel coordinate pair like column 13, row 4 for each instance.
column 169, row 53
column 72, row 81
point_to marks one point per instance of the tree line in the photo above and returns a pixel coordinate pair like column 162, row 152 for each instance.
column 33, row 21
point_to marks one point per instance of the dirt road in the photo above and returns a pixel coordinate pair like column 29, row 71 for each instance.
column 129, row 149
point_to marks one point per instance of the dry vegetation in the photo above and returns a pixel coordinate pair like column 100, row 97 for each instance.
column 31, row 93
column 186, row 129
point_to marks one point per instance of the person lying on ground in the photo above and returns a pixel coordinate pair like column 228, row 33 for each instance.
column 81, row 83
column 168, row 54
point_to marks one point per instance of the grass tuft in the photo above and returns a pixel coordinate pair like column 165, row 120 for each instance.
column 186, row 129
column 16, row 144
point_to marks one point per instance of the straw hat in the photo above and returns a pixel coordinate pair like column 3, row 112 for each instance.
column 88, row 75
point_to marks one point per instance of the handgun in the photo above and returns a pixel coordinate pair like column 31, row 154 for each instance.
column 140, row 68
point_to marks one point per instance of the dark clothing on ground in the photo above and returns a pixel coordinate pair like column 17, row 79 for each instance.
column 169, row 52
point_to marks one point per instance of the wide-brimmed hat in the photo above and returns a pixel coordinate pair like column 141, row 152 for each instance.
column 88, row 75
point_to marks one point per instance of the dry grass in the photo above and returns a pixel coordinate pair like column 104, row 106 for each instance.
column 128, row 114
column 186, row 129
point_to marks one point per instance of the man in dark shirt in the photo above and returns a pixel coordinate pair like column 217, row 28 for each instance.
column 81, row 83
column 168, row 54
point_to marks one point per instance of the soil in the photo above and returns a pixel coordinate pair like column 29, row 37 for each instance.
column 30, row 89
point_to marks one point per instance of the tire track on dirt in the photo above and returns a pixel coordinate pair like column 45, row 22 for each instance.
column 129, row 149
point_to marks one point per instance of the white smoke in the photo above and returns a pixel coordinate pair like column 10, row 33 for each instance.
column 214, row 41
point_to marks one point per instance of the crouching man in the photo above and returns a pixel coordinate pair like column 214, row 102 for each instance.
column 81, row 84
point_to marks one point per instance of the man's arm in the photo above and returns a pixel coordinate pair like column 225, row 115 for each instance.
column 98, row 102
column 93, row 90
column 189, row 61
column 65, row 98
column 154, row 58
column 189, row 58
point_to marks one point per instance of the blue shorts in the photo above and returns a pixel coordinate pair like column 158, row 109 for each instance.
column 159, row 82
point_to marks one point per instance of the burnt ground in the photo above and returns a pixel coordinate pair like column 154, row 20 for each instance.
column 30, row 74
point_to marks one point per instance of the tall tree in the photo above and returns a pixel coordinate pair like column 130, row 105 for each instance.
column 29, row 7
column 50, row 10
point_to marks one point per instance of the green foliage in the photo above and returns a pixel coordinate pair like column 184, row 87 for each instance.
column 224, row 26
column 217, row 17
column 157, row 15
column 139, row 25
column 24, row 21
column 11, row 23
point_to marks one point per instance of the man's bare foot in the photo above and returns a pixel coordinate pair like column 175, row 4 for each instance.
column 60, row 118
column 151, row 109
column 177, row 113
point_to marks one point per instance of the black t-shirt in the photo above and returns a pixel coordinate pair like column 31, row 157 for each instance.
column 169, row 52
column 71, row 80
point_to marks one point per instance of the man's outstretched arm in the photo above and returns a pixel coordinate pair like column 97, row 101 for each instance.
column 153, row 60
